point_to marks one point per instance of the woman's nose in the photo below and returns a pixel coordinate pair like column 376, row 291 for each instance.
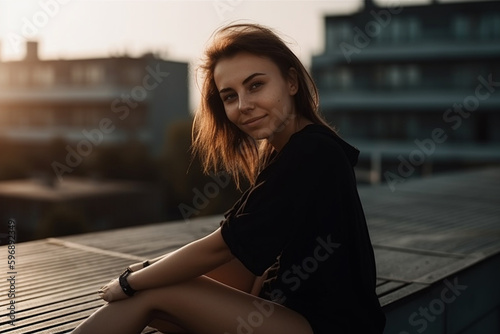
column 244, row 103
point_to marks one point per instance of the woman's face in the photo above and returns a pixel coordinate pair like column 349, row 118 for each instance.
column 256, row 96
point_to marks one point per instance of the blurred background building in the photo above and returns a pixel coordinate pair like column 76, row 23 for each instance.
column 75, row 133
column 416, row 88
column 106, row 100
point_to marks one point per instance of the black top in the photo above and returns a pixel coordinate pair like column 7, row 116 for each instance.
column 304, row 218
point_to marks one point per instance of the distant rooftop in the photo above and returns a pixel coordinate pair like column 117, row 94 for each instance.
column 70, row 188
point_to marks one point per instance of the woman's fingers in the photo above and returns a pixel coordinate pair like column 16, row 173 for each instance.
column 112, row 291
column 105, row 293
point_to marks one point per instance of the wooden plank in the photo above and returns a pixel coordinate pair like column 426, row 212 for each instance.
column 422, row 233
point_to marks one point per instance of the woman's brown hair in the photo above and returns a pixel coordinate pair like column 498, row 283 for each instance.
column 216, row 140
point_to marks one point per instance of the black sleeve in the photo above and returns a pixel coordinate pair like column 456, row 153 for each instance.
column 278, row 204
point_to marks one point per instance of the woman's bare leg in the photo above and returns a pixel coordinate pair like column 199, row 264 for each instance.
column 233, row 274
column 163, row 324
column 201, row 306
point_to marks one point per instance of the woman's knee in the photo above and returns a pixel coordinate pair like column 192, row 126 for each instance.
column 159, row 299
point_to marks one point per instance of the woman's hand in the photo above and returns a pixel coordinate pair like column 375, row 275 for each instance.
column 112, row 291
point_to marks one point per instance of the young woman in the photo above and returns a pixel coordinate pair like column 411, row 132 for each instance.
column 293, row 255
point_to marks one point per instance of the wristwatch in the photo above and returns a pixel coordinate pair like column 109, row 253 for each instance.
column 127, row 289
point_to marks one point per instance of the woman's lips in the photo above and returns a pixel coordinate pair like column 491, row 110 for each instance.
column 253, row 121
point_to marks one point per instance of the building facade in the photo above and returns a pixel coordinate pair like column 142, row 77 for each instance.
column 105, row 100
column 416, row 88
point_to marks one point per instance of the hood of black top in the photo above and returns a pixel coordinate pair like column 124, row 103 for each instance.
column 351, row 152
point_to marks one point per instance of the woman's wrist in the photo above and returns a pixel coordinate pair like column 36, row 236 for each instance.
column 125, row 284
column 134, row 281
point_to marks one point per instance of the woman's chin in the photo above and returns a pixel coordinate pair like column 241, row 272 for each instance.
column 261, row 134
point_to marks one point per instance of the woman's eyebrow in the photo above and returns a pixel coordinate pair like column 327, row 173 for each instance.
column 250, row 77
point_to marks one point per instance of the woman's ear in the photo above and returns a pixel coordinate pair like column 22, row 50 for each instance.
column 293, row 81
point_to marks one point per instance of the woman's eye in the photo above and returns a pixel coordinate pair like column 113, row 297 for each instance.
column 228, row 97
column 256, row 85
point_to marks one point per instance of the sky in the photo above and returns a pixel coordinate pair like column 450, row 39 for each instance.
column 174, row 29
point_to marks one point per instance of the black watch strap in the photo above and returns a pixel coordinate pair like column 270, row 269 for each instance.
column 127, row 289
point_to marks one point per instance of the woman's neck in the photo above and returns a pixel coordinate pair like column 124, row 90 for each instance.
column 283, row 134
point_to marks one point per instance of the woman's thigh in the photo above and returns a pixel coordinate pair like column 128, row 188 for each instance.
column 206, row 306
column 234, row 274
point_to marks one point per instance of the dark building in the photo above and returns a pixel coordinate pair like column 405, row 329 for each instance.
column 416, row 88
column 91, row 101
column 55, row 113
column 43, row 208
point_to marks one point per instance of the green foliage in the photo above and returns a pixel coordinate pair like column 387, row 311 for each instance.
column 181, row 174
column 128, row 161
column 14, row 162
column 59, row 220
column 176, row 171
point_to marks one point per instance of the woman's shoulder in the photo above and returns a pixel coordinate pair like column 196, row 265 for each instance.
column 320, row 140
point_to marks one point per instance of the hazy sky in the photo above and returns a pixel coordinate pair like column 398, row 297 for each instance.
column 179, row 29
column 176, row 29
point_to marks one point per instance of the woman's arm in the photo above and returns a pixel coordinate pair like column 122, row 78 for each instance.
column 190, row 261
column 232, row 273
column 193, row 260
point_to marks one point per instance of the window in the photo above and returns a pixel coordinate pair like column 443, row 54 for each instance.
column 20, row 76
column 77, row 74
column 413, row 75
column 398, row 30
column 437, row 28
column 414, row 29
column 495, row 22
column 78, row 117
column 43, row 75
column 461, row 27
column 397, row 76
column 40, row 117
column 95, row 74
column 489, row 27
column 344, row 77
column 338, row 32
column 327, row 78
column 394, row 76
column 402, row 30
column 134, row 75
column 3, row 118
column 21, row 118
column 4, row 75
column 331, row 36
column 379, row 74
column 396, row 125
column 94, row 116
column 465, row 75
column 50, row 117
column 87, row 74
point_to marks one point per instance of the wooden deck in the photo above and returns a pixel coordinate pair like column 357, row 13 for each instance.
column 426, row 234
